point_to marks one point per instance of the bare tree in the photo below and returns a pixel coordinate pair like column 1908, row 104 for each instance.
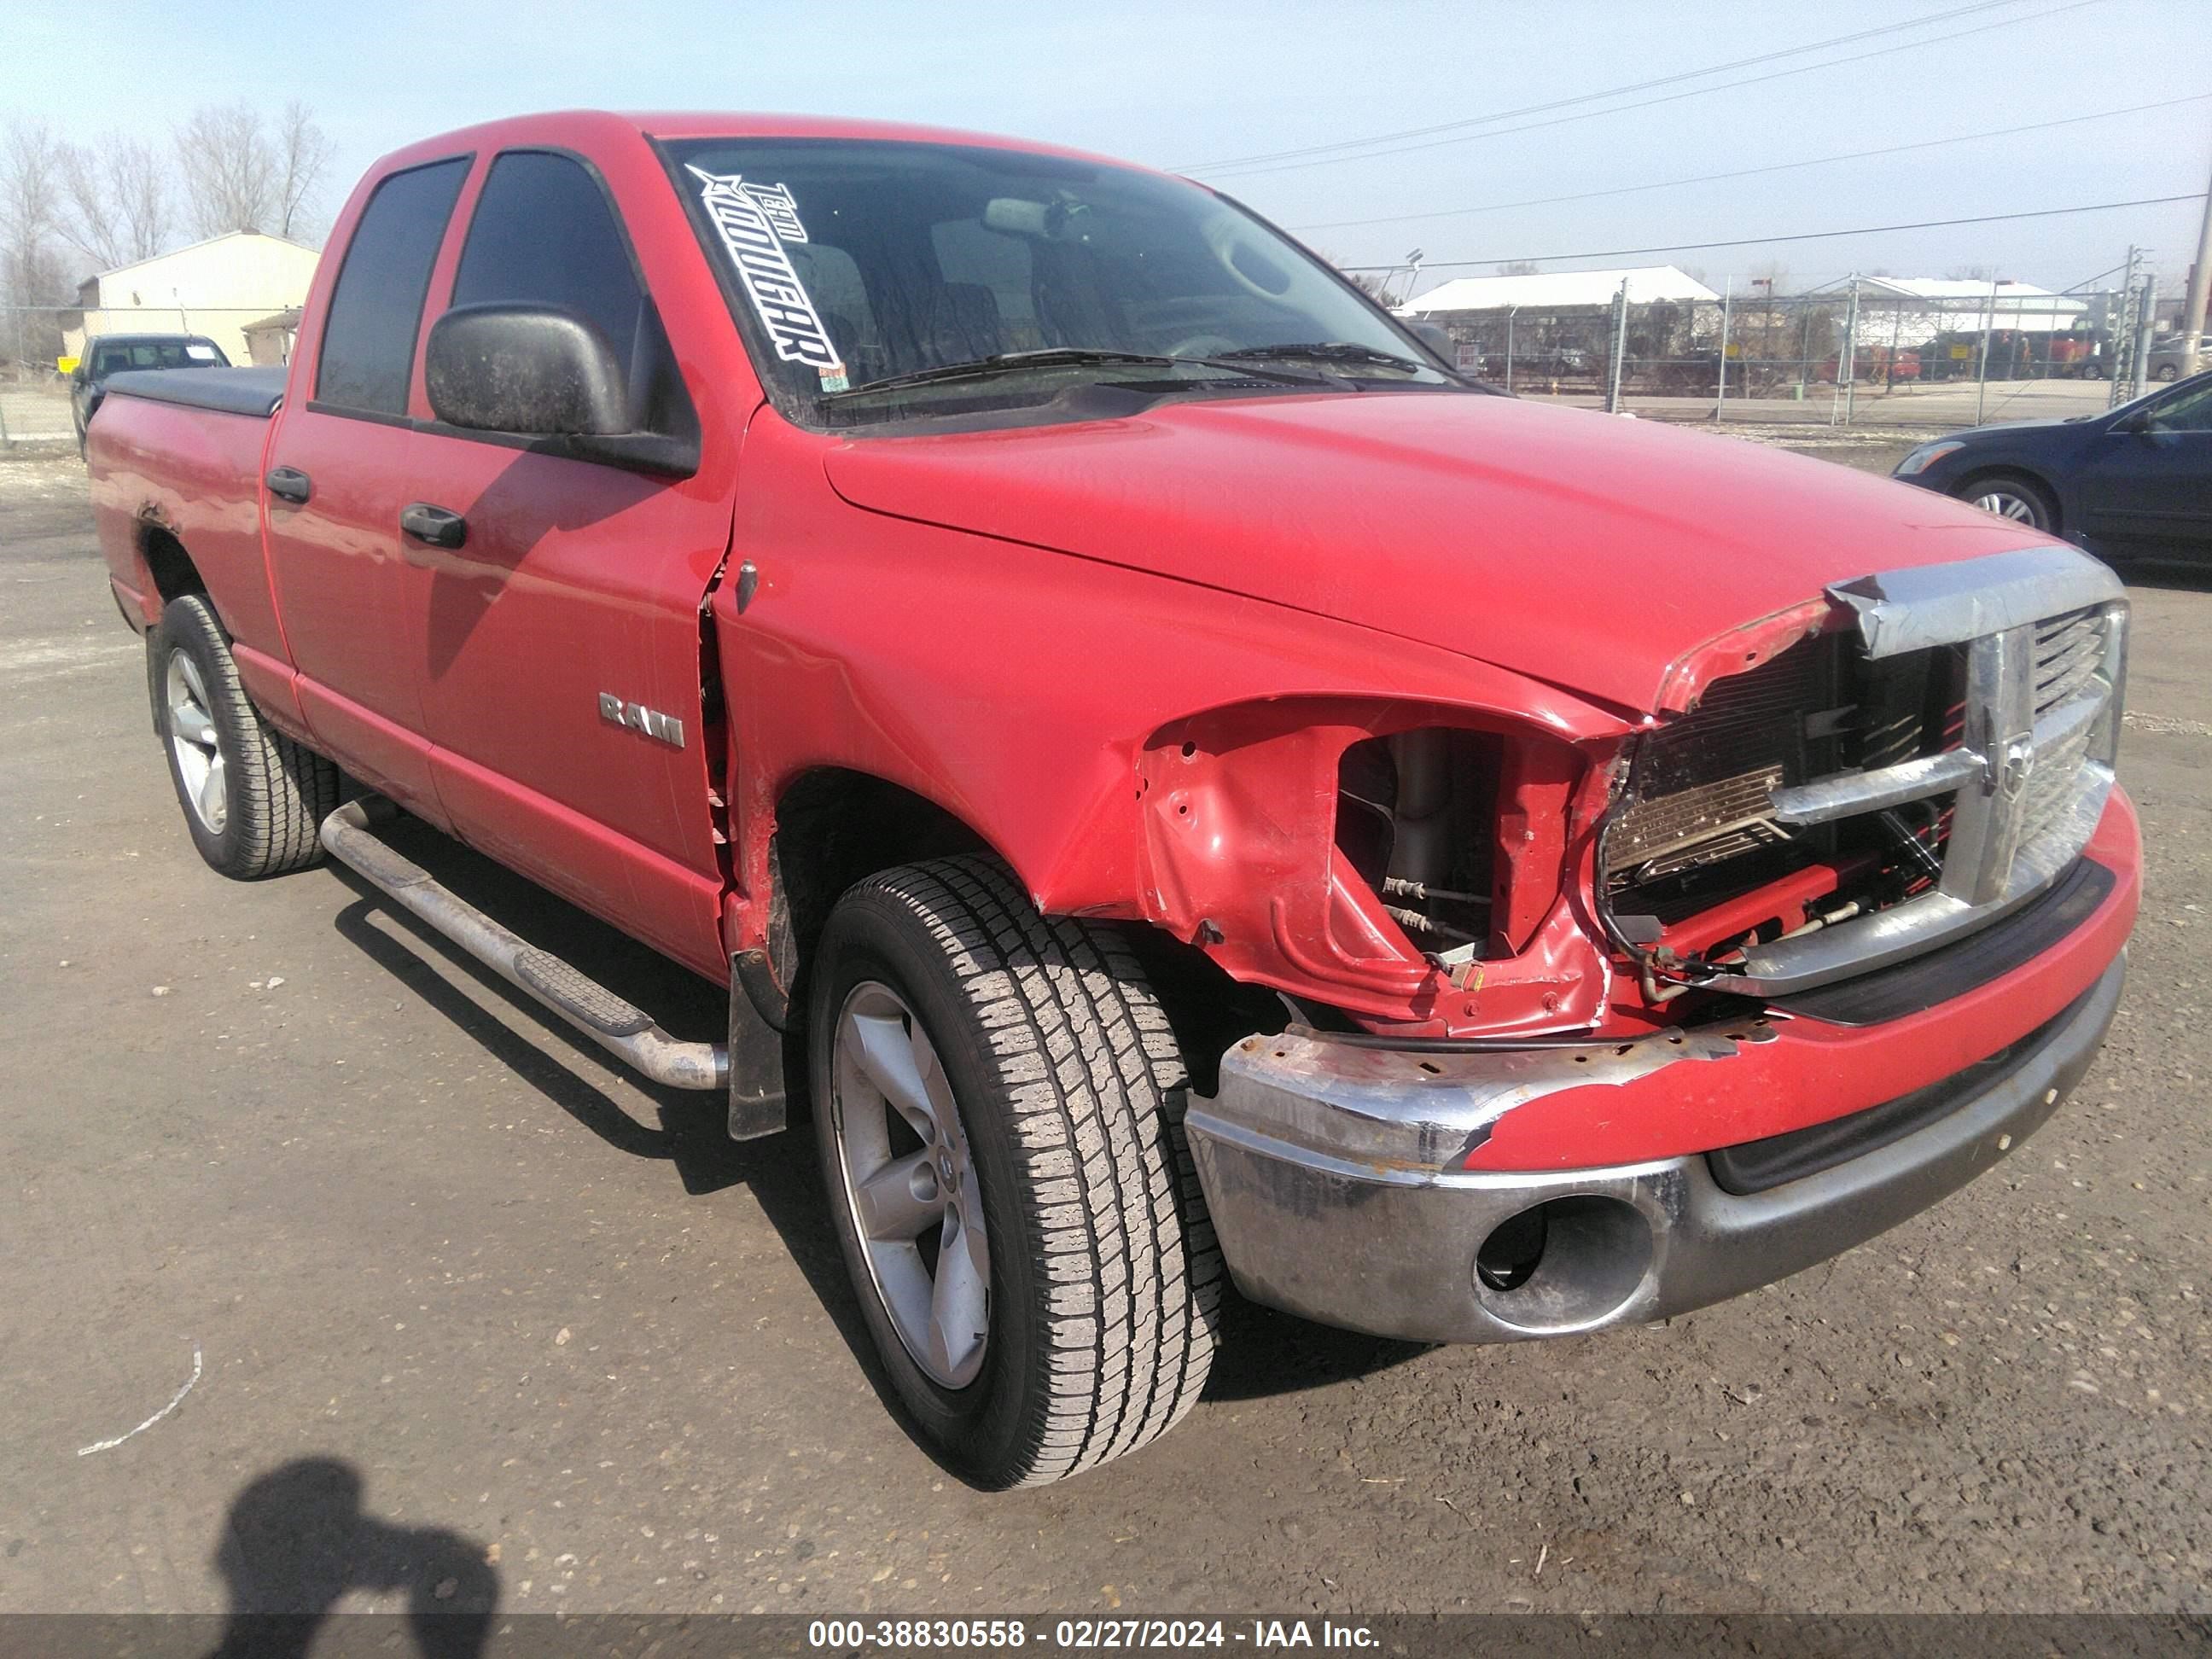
column 119, row 196
column 1517, row 268
column 30, row 191
column 31, row 272
column 303, row 155
column 241, row 172
column 230, row 169
column 1375, row 284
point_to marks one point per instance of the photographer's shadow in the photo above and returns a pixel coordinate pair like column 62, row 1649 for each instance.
column 296, row 1541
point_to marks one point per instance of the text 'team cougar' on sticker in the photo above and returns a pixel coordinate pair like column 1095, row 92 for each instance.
column 755, row 221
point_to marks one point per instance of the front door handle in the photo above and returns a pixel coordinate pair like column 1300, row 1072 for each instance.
column 434, row 524
column 291, row 483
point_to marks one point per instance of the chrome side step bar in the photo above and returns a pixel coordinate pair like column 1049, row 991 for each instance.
column 627, row 1032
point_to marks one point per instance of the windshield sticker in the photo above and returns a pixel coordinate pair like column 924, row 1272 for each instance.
column 203, row 353
column 755, row 220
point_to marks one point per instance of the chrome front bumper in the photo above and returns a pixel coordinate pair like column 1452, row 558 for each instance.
column 1333, row 1173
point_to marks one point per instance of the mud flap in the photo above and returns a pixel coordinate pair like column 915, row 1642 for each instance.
column 757, row 1080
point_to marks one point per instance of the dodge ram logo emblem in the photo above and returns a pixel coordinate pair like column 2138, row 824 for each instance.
column 636, row 715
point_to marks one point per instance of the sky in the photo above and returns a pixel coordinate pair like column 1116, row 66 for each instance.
column 1185, row 83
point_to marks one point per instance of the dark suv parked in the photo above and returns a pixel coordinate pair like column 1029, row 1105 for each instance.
column 113, row 354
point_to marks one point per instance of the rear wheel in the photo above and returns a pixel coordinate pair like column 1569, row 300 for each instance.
column 2167, row 372
column 998, row 1107
column 252, row 797
column 2011, row 496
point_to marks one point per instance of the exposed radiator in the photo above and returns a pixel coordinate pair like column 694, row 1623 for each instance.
column 1702, row 784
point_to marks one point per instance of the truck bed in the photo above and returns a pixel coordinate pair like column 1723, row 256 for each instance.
column 254, row 392
column 176, row 459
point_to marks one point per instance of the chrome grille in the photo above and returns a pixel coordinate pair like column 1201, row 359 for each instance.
column 2044, row 633
column 2069, row 651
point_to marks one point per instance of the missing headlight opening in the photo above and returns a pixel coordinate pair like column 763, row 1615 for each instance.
column 1417, row 819
column 1698, row 863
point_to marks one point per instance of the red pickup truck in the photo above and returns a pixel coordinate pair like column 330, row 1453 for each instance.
column 1193, row 788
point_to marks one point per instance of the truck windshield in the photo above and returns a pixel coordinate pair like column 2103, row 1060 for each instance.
column 875, row 280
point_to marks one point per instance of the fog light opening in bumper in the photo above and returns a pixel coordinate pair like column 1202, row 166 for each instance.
column 1564, row 1264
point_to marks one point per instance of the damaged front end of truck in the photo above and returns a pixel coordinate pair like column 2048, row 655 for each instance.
column 1586, row 1031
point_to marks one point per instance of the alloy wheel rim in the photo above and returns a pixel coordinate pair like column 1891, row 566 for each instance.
column 910, row 1184
column 193, row 740
column 2007, row 505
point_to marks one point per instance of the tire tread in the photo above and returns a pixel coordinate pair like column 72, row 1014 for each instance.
column 1095, row 1084
column 284, row 789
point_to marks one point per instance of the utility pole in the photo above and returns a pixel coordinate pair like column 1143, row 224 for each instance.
column 1847, row 360
column 1619, row 348
column 2146, row 309
column 1720, row 390
column 1765, row 334
column 1989, row 327
column 2122, row 336
column 2192, row 308
column 1412, row 274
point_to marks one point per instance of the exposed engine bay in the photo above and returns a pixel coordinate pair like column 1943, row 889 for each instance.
column 1415, row 816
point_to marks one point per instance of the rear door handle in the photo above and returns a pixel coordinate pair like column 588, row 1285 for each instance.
column 434, row 524
column 289, row 482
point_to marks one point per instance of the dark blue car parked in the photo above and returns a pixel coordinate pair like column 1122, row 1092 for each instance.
column 2135, row 481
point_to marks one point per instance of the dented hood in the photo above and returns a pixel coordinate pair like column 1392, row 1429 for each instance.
column 1583, row 549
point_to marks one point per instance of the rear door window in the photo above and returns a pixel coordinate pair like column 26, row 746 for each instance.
column 376, row 309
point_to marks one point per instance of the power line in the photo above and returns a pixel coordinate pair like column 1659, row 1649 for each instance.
column 2076, row 287
column 1747, row 173
column 1237, row 171
column 1798, row 236
column 1592, row 97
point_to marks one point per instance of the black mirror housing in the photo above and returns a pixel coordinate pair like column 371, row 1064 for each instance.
column 1434, row 337
column 531, row 370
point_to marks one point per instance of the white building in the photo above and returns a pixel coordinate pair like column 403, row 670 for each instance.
column 1558, row 290
column 1911, row 311
column 214, row 288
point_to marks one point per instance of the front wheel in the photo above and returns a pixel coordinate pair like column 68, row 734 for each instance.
column 2167, row 372
column 2010, row 496
column 997, row 1105
column 253, row 799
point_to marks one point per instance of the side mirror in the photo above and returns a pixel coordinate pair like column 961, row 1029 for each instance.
column 529, row 369
column 1433, row 336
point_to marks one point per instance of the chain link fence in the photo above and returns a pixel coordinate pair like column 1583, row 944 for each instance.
column 1838, row 355
column 1846, row 355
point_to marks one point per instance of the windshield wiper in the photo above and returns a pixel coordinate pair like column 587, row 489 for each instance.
column 1325, row 351
column 1006, row 362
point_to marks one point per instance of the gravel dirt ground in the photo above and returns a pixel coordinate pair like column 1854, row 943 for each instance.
column 469, row 1309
